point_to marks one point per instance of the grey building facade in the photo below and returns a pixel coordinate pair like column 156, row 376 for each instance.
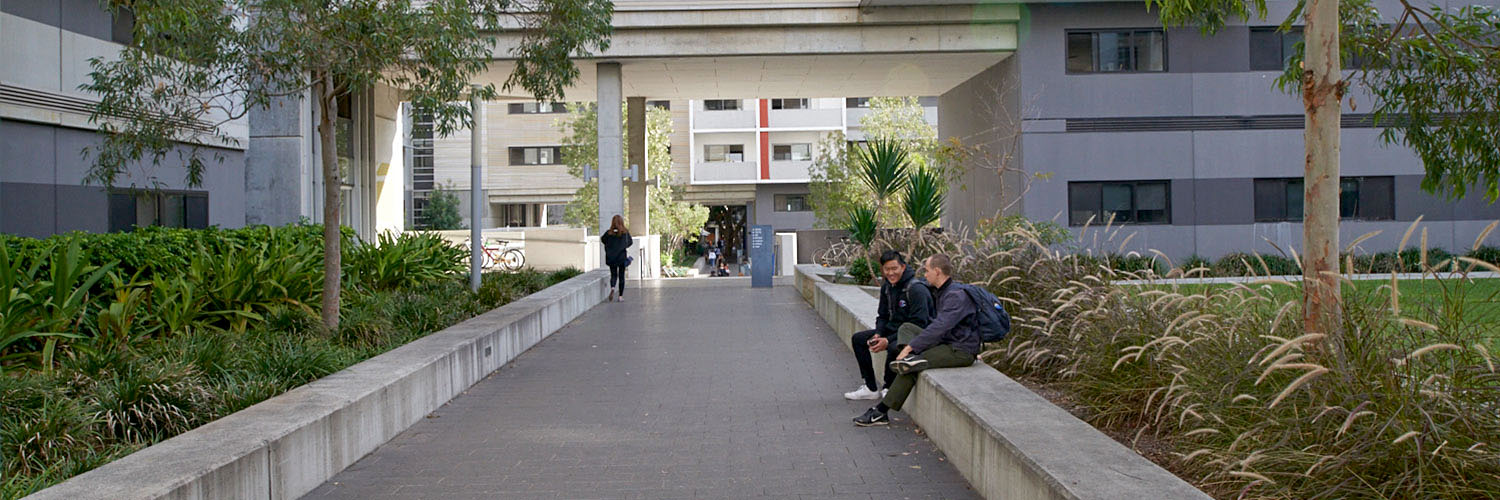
column 44, row 134
column 1182, row 136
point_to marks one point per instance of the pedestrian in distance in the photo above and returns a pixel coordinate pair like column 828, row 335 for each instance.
column 615, row 241
column 951, row 340
column 904, row 300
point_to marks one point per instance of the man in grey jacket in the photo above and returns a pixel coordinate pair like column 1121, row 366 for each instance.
column 948, row 341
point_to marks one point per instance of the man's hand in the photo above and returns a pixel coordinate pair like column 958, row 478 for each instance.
column 879, row 344
column 904, row 353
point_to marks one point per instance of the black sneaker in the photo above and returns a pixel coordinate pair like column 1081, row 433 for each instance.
column 909, row 364
column 872, row 417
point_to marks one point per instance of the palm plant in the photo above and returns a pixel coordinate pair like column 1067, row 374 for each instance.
column 883, row 164
column 862, row 226
column 925, row 193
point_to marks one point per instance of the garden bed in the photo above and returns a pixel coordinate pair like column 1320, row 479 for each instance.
column 183, row 327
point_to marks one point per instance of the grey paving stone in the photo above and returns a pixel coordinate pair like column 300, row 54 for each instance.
column 693, row 389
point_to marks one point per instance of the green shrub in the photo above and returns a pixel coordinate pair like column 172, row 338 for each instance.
column 1485, row 253
column 397, row 261
column 147, row 400
column 1135, row 263
column 859, row 270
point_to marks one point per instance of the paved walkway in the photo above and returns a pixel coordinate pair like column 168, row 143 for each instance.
column 693, row 389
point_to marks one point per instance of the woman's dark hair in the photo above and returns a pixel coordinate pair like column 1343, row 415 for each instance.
column 890, row 255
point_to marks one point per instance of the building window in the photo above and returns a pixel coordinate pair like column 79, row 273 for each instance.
column 536, row 155
column 792, row 203
column 535, row 108
column 791, row 152
column 122, row 27
column 1134, row 202
column 556, row 214
column 790, row 104
column 1360, row 198
column 667, row 105
column 721, row 104
column 128, row 209
column 1270, row 50
column 723, row 152
column 1117, row 51
column 856, row 102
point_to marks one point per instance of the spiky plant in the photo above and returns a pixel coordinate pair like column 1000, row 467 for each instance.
column 923, row 205
column 862, row 226
column 883, row 165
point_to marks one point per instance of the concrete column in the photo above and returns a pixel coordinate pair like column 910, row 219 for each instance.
column 279, row 163
column 640, row 210
column 476, row 194
column 611, row 188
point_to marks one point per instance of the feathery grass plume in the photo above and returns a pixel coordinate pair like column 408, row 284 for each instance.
column 1434, row 347
column 1478, row 241
column 1417, row 324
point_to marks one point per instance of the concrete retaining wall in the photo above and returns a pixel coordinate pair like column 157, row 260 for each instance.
column 1006, row 440
column 285, row 446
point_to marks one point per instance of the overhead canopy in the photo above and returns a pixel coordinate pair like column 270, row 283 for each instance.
column 705, row 50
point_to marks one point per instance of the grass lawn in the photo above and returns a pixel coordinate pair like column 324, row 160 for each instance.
column 1476, row 301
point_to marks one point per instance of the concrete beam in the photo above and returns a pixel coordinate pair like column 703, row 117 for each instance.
column 793, row 40
column 611, row 188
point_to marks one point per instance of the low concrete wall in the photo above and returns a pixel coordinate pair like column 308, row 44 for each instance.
column 285, row 446
column 1006, row 440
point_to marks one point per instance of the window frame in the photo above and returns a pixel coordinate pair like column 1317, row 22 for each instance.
column 780, row 103
column 193, row 217
column 1363, row 184
column 791, row 151
column 519, row 108
column 1098, row 203
column 1166, row 65
column 781, row 202
column 514, row 151
column 729, row 152
column 720, row 105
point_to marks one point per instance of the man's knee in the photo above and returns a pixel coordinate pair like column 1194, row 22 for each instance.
column 861, row 338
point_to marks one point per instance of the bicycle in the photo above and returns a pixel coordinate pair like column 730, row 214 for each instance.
column 501, row 255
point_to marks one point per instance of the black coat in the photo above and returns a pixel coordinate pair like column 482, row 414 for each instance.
column 614, row 247
column 908, row 301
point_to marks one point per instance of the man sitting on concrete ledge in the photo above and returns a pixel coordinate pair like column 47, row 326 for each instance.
column 948, row 341
column 904, row 299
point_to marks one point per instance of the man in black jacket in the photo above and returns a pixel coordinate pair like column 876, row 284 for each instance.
column 948, row 341
column 904, row 299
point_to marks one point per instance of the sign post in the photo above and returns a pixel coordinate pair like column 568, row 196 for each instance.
column 762, row 256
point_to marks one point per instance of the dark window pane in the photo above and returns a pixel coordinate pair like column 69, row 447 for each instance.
column 1150, row 51
column 1289, row 43
column 1151, row 203
column 1114, row 52
column 1376, row 198
column 660, row 104
column 121, row 211
column 1265, row 50
column 1270, row 200
column 1080, row 52
column 1083, row 203
column 123, row 28
column 1294, row 192
column 857, row 102
column 1117, row 201
column 1348, row 198
column 197, row 212
column 517, row 156
column 516, row 108
column 781, row 152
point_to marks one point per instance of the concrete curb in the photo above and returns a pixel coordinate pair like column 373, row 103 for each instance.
column 1006, row 440
column 290, row 444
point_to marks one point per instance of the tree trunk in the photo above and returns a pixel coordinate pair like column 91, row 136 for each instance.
column 1322, row 93
column 332, row 256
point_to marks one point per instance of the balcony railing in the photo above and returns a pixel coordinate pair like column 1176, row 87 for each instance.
column 726, row 171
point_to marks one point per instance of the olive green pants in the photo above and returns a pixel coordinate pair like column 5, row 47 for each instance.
column 939, row 356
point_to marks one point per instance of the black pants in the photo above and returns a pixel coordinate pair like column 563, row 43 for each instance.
column 862, row 354
column 617, row 273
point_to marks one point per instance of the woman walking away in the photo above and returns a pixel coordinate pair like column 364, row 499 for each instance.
column 615, row 241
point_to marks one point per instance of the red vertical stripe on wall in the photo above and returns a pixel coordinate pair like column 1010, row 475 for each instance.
column 765, row 155
column 765, row 141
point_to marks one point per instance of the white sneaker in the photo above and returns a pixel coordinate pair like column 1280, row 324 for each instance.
column 882, row 393
column 862, row 393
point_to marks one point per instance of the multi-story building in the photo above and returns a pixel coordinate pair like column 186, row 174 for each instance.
column 750, row 156
column 1181, row 137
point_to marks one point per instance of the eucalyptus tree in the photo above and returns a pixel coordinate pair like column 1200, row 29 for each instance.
column 195, row 66
column 1435, row 78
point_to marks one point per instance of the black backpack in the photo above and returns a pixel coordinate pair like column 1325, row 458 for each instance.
column 990, row 318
